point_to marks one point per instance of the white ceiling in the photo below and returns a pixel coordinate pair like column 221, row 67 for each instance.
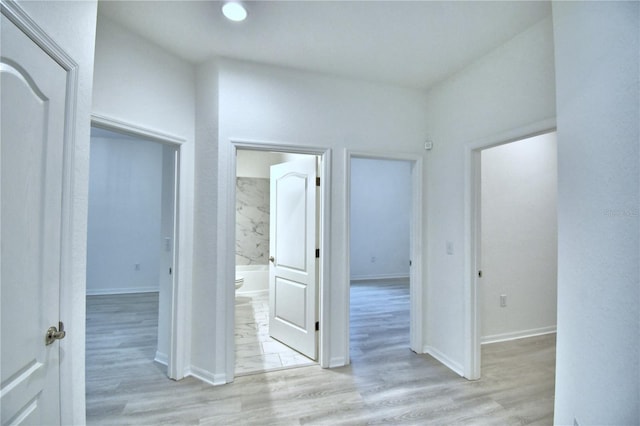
column 408, row 43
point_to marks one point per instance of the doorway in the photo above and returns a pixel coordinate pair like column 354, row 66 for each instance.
column 514, row 234
column 131, row 251
column 380, row 253
column 410, row 255
column 259, row 342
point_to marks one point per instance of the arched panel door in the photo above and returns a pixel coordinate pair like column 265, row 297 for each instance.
column 292, row 271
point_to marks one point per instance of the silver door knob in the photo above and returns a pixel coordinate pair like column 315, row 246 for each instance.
column 54, row 334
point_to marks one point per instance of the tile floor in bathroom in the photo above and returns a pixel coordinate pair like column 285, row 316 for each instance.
column 256, row 351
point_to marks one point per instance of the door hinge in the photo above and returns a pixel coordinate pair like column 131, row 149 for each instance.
column 317, row 181
column 169, row 270
column 317, row 326
column 479, row 274
column 317, row 253
column 410, row 263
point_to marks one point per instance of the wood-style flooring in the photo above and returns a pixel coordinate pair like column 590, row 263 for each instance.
column 385, row 384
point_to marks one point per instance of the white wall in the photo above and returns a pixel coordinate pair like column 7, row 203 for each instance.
column 510, row 88
column 310, row 110
column 380, row 213
column 125, row 194
column 72, row 25
column 256, row 164
column 519, row 238
column 206, row 352
column 598, row 349
column 141, row 85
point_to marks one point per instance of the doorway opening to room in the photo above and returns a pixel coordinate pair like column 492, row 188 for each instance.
column 131, row 257
column 277, row 260
column 513, row 201
column 384, row 258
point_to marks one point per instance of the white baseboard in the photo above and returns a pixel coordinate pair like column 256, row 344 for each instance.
column 161, row 358
column 442, row 358
column 128, row 290
column 207, row 377
column 380, row 277
column 523, row 334
column 337, row 361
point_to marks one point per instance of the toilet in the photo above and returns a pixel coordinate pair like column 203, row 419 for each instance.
column 239, row 281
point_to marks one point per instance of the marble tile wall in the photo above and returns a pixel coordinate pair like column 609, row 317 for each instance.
column 252, row 221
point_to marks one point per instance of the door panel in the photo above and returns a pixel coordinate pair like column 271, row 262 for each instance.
column 288, row 308
column 32, row 113
column 292, row 243
column 291, row 204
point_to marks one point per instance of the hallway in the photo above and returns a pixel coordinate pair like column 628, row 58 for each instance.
column 386, row 382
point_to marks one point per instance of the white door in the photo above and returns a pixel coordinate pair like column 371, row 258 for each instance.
column 32, row 115
column 292, row 246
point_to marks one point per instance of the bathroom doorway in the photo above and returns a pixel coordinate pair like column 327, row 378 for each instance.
column 256, row 350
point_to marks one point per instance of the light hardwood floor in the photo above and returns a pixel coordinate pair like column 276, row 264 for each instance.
column 385, row 384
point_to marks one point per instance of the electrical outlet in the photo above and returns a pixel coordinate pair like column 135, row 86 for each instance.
column 503, row 300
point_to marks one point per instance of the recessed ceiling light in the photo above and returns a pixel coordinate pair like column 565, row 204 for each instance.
column 234, row 11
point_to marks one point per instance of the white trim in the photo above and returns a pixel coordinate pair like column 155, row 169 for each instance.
column 416, row 285
column 346, row 244
column 515, row 335
column 226, row 243
column 443, row 359
column 126, row 290
column 472, row 340
column 161, row 358
column 380, row 277
column 337, row 361
column 109, row 123
column 417, row 288
column 206, row 376
column 179, row 335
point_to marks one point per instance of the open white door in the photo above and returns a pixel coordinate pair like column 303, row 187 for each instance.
column 292, row 245
column 32, row 115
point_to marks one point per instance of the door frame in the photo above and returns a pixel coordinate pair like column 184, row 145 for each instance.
column 178, row 341
column 228, row 269
column 416, row 287
column 472, row 249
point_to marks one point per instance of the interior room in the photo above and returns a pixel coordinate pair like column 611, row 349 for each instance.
column 379, row 249
column 130, row 244
column 519, row 238
column 435, row 83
